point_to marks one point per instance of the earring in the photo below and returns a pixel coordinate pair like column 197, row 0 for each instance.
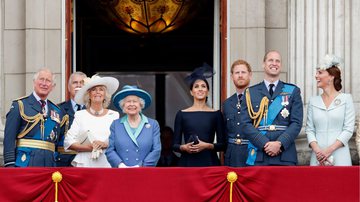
column 104, row 100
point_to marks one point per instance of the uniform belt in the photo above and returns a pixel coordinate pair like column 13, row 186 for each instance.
column 237, row 141
column 272, row 127
column 38, row 144
column 61, row 150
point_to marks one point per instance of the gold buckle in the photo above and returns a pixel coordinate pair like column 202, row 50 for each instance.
column 238, row 141
column 272, row 128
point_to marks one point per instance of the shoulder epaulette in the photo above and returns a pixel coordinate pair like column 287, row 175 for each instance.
column 20, row 98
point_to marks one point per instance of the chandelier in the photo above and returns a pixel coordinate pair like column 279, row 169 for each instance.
column 148, row 16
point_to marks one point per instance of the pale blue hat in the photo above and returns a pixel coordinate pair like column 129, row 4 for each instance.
column 131, row 90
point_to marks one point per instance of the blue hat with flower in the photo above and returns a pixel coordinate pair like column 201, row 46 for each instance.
column 131, row 90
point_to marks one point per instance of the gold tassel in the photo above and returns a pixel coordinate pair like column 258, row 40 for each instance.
column 56, row 177
column 231, row 177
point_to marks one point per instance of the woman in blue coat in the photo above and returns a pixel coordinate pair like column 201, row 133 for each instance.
column 135, row 139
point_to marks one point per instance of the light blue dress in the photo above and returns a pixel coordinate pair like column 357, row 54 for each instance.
column 328, row 125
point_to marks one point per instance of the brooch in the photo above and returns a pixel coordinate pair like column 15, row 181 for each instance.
column 147, row 125
column 337, row 102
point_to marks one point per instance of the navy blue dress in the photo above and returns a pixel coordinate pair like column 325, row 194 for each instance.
column 204, row 124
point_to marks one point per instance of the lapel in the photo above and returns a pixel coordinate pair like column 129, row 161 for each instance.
column 34, row 103
column 263, row 90
column 233, row 101
column 278, row 89
column 68, row 108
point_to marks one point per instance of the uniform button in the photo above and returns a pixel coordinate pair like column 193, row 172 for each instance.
column 137, row 150
column 126, row 159
column 257, row 105
column 127, row 150
column 227, row 119
column 137, row 159
column 238, row 112
column 238, row 135
column 271, row 100
column 238, row 123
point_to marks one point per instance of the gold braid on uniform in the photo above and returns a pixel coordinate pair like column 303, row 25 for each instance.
column 65, row 120
column 30, row 119
column 263, row 109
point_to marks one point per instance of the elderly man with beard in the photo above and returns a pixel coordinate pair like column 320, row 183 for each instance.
column 236, row 152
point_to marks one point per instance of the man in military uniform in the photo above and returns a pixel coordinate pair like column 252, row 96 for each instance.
column 68, row 108
column 32, row 126
column 271, row 117
column 236, row 151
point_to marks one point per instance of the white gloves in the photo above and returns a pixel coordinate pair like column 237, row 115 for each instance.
column 122, row 165
column 96, row 153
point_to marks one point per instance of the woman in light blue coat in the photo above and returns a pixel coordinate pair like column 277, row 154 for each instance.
column 330, row 117
column 135, row 139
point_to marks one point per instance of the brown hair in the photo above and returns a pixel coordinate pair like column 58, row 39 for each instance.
column 240, row 62
column 336, row 73
column 270, row 51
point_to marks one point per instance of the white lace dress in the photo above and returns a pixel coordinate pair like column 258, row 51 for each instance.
column 87, row 128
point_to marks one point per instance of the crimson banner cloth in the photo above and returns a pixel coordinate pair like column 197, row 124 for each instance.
column 182, row 184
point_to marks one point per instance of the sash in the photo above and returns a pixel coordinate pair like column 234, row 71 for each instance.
column 274, row 109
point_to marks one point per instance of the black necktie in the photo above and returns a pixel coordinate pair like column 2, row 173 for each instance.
column 78, row 107
column 239, row 98
column 271, row 91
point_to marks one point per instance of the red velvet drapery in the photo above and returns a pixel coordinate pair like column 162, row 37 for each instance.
column 182, row 184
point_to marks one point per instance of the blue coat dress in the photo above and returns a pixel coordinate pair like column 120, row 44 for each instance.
column 292, row 123
column 141, row 148
column 236, row 154
column 24, row 156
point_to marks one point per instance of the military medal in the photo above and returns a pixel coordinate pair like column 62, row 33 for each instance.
column 285, row 100
column 337, row 102
column 55, row 116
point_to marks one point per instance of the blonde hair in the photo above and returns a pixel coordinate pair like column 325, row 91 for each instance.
column 106, row 102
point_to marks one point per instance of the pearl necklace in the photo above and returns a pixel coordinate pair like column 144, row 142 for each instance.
column 96, row 113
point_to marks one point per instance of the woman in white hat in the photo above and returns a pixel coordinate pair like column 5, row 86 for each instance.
column 90, row 130
column 135, row 139
column 330, row 117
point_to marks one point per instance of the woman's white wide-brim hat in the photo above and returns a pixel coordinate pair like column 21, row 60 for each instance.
column 131, row 90
column 110, row 83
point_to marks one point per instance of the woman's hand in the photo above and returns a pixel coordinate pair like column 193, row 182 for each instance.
column 97, row 144
column 192, row 148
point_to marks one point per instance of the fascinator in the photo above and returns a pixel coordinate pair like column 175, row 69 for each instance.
column 329, row 61
column 204, row 72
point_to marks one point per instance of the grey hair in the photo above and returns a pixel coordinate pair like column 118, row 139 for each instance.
column 106, row 102
column 75, row 74
column 45, row 69
column 122, row 103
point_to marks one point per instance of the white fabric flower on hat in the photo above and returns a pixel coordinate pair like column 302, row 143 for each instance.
column 328, row 61
column 88, row 79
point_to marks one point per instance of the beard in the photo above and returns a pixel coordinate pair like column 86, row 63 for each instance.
column 241, row 83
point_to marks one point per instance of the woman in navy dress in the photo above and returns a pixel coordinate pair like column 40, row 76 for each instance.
column 198, row 124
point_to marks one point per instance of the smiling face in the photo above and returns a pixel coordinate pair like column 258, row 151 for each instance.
column 131, row 105
column 323, row 79
column 97, row 94
column 272, row 65
column 199, row 90
column 43, row 84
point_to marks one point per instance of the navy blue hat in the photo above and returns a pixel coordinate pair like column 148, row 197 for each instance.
column 202, row 73
column 131, row 90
